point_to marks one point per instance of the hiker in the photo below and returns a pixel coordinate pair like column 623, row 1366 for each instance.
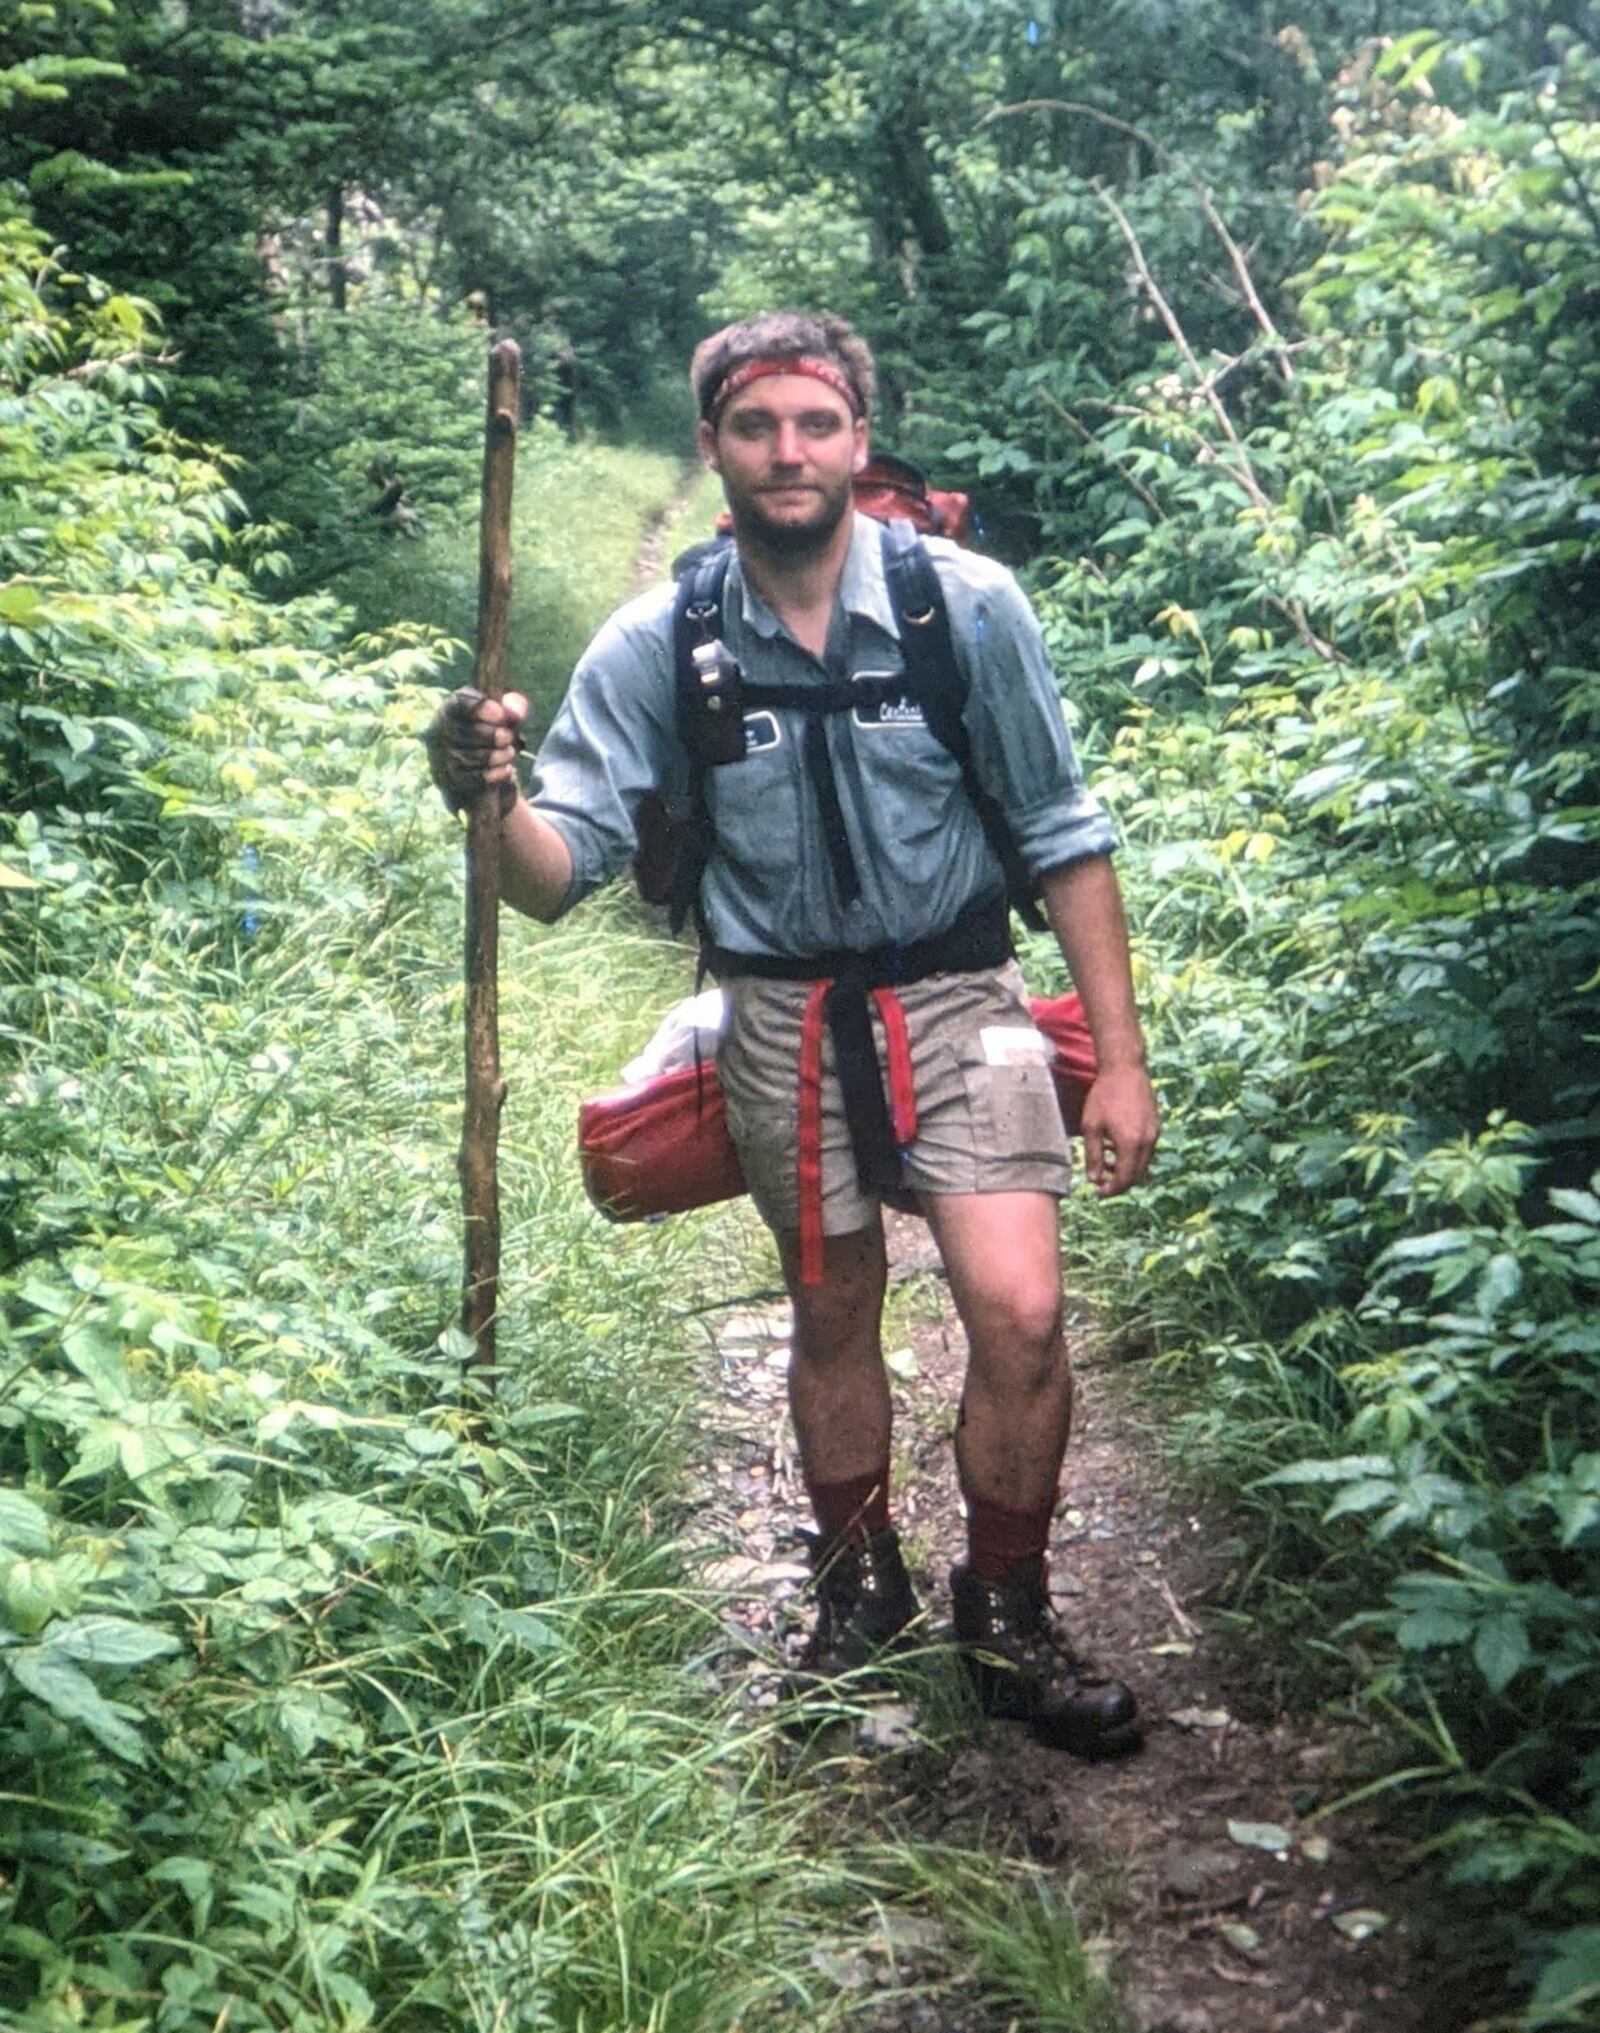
column 865, row 736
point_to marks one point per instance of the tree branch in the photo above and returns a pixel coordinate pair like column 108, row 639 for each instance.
column 1244, row 472
column 1574, row 172
column 1164, row 156
column 1076, row 424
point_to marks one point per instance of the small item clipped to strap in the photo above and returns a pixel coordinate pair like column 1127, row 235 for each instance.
column 720, row 714
column 662, row 1146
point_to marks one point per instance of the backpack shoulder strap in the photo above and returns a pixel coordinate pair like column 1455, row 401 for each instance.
column 696, row 619
column 932, row 668
column 935, row 678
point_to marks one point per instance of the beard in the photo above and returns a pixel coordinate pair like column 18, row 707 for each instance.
column 791, row 540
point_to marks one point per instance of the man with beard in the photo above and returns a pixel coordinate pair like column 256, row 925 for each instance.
column 850, row 888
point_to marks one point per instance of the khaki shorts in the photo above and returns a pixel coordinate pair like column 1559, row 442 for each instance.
column 987, row 1116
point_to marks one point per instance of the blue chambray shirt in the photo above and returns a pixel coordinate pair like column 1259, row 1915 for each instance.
column 918, row 845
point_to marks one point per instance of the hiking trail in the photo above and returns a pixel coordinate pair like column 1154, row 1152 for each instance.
column 651, row 561
column 1210, row 1931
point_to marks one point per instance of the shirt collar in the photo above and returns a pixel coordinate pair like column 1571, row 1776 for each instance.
column 862, row 589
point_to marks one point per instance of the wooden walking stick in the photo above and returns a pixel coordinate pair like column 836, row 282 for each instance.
column 486, row 1090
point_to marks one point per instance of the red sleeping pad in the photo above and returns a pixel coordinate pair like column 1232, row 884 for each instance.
column 664, row 1147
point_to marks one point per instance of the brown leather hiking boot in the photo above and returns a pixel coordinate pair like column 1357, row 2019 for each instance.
column 1024, row 1670
column 864, row 1601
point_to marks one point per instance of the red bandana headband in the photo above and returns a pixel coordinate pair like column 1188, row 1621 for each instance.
column 757, row 370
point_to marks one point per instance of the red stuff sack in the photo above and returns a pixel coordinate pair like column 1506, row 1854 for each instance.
column 663, row 1147
column 1062, row 1021
column 659, row 1148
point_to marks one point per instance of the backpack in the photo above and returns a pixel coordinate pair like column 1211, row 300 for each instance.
column 672, row 854
column 892, row 489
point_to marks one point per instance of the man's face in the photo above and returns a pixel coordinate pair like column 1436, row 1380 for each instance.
column 786, row 448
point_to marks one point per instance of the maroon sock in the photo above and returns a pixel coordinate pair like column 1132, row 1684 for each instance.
column 999, row 1540
column 852, row 1508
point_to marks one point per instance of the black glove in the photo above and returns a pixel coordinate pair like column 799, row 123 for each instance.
column 473, row 741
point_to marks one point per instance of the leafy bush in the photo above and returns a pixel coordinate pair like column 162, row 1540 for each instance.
column 1328, row 613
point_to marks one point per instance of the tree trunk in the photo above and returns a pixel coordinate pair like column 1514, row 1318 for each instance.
column 337, row 279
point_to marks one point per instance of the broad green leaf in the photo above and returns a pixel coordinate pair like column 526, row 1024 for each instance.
column 528, row 1630
column 1500, row 1283
column 32, row 1595
column 98, row 1359
column 1577, row 1512
column 68, row 1692
column 24, row 1527
column 1360, row 1496
column 1347, row 1468
column 97, row 1640
column 1424, row 1629
column 196, row 1877
column 1423, row 1248
column 1501, row 1649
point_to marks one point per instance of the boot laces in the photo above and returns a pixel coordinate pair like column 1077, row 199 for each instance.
column 1041, row 1637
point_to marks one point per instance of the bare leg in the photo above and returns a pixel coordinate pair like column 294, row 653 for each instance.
column 839, row 1395
column 838, row 1389
column 1002, row 1253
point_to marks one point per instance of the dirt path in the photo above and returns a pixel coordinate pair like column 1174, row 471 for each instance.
column 650, row 560
column 1232, row 1909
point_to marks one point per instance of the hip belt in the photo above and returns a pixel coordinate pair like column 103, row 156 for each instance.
column 882, row 1128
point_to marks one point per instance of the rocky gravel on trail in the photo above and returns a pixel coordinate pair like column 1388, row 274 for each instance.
column 1231, row 1906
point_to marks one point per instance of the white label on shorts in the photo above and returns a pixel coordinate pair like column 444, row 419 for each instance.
column 1013, row 1045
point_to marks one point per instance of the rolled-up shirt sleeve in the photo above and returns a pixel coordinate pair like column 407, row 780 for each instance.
column 1021, row 745
column 612, row 740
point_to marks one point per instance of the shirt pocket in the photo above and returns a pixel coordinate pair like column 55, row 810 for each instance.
column 905, row 776
column 755, row 803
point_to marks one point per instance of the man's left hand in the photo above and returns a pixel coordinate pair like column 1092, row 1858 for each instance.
column 1120, row 1127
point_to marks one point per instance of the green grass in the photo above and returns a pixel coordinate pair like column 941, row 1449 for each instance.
column 579, row 512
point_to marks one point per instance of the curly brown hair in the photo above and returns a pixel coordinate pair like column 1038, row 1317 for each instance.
column 782, row 335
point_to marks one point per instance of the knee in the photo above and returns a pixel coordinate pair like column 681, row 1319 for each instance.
column 839, row 1317
column 835, row 1329
column 1017, row 1335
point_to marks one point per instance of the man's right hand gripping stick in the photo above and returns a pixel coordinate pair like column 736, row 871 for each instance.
column 472, row 743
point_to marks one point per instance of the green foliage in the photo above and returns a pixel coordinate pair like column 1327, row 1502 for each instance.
column 1329, row 615
column 578, row 515
column 1315, row 531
